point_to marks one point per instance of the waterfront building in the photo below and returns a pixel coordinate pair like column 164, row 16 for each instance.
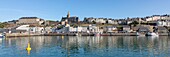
column 110, row 29
column 142, row 29
column 85, row 29
column 51, row 23
column 4, row 30
column 48, row 29
column 163, row 23
column 93, row 28
column 162, row 29
column 74, row 29
column 30, row 21
column 126, row 28
column 23, row 27
column 30, row 29
column 56, row 30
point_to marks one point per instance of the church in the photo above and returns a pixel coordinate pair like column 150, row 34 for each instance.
column 70, row 20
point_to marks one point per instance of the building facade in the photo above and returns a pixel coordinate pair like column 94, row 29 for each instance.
column 30, row 21
column 69, row 19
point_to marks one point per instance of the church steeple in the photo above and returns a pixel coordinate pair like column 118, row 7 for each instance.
column 68, row 14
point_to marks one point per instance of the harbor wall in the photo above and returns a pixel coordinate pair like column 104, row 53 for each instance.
column 75, row 34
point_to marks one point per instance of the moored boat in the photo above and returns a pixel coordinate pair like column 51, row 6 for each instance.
column 97, row 34
column 152, row 34
column 140, row 34
column 1, row 36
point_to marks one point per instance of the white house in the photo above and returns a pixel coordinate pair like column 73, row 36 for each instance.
column 100, row 20
column 110, row 21
column 23, row 27
column 32, row 29
column 110, row 29
column 76, row 29
column 153, row 18
column 93, row 28
column 84, row 29
column 163, row 23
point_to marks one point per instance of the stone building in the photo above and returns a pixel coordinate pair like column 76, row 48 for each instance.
column 30, row 21
column 69, row 19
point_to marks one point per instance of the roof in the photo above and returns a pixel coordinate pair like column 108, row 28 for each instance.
column 141, row 28
column 110, row 26
column 18, row 31
column 4, row 30
column 28, row 17
column 125, row 26
column 161, row 28
column 32, row 25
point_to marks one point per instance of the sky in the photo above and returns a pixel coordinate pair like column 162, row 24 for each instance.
column 56, row 9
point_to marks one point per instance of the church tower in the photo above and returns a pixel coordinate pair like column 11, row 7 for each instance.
column 68, row 14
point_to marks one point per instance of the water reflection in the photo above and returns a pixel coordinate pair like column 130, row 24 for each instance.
column 88, row 46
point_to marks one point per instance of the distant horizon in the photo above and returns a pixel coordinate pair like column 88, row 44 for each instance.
column 56, row 9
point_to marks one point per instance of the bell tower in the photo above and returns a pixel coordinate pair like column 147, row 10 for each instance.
column 68, row 14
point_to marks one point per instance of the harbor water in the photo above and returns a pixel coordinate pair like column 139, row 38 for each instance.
column 86, row 46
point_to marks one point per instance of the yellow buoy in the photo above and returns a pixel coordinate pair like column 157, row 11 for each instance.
column 28, row 48
column 62, row 37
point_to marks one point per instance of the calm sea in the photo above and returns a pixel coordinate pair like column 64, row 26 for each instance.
column 86, row 46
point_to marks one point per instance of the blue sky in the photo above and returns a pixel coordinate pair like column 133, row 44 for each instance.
column 55, row 9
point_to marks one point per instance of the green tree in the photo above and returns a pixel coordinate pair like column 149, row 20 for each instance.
column 2, row 25
column 94, row 22
column 119, row 28
column 134, row 23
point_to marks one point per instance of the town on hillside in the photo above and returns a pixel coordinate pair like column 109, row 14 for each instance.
column 71, row 25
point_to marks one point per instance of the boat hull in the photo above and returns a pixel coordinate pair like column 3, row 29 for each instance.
column 1, row 36
column 152, row 34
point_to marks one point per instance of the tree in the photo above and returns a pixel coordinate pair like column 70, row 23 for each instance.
column 119, row 28
column 2, row 25
column 74, row 25
column 107, row 21
column 94, row 22
column 134, row 23
column 60, row 27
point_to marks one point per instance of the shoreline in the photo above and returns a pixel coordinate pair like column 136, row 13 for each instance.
column 9, row 35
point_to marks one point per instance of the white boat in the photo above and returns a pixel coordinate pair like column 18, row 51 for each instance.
column 78, row 34
column 152, row 34
column 1, row 36
column 97, row 34
column 140, row 34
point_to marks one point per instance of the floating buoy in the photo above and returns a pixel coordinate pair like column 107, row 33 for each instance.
column 28, row 48
column 62, row 36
